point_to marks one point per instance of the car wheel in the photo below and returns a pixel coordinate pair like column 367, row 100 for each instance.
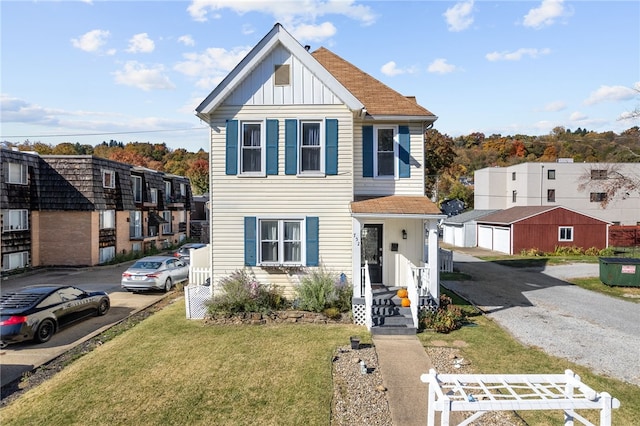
column 167, row 285
column 103, row 307
column 45, row 331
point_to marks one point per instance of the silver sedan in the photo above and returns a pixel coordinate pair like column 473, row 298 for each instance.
column 155, row 273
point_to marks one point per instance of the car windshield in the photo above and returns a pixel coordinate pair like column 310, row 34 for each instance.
column 146, row 265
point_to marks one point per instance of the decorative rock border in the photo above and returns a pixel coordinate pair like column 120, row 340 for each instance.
column 276, row 317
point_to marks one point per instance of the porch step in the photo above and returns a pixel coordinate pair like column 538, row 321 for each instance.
column 389, row 317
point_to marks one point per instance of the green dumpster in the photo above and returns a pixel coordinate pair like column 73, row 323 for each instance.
column 620, row 271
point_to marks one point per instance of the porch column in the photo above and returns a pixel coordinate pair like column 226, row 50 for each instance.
column 434, row 259
column 355, row 258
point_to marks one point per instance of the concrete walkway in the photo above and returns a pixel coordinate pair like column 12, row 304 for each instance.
column 402, row 360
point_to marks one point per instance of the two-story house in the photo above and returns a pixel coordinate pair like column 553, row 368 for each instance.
column 315, row 163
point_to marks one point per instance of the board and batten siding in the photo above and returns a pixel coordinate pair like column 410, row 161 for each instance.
column 414, row 185
column 259, row 87
column 281, row 196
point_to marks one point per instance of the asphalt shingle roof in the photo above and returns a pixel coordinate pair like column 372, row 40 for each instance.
column 396, row 204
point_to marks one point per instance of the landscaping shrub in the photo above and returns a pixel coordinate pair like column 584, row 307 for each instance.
column 243, row 293
column 322, row 289
column 446, row 318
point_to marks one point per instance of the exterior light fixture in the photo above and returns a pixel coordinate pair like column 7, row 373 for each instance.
column 404, row 234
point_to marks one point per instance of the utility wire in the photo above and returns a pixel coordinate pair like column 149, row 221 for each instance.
column 101, row 134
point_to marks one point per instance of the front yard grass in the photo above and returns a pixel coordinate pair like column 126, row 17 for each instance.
column 172, row 371
column 492, row 350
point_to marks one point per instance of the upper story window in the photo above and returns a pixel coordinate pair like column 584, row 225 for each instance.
column 135, row 224
column 251, row 148
column 17, row 173
column 15, row 220
column 282, row 75
column 551, row 174
column 108, row 178
column 514, row 195
column 137, row 188
column 183, row 189
column 551, row 195
column 598, row 174
column 154, row 196
column 513, row 176
column 166, row 227
column 311, row 147
column 107, row 219
column 167, row 190
column 385, row 149
column 597, row 197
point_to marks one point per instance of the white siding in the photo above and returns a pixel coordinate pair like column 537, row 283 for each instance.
column 259, row 88
column 281, row 196
column 399, row 186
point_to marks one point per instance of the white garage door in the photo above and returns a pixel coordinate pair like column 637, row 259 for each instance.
column 502, row 240
column 485, row 237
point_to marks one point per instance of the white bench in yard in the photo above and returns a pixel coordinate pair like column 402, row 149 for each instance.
column 480, row 393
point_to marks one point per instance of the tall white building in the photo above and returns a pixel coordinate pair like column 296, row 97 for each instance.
column 545, row 184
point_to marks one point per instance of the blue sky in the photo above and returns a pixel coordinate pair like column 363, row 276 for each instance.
column 88, row 71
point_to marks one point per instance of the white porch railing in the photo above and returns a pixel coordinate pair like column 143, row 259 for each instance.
column 414, row 298
column 446, row 260
column 368, row 296
column 199, row 276
column 421, row 276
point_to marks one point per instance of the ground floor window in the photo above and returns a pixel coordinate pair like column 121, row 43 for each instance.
column 106, row 254
column 565, row 233
column 166, row 227
column 15, row 260
column 280, row 241
column 135, row 224
column 16, row 220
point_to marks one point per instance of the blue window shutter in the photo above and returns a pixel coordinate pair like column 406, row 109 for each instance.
column 367, row 151
column 331, row 146
column 231, row 159
column 272, row 147
column 250, row 241
column 404, row 152
column 290, row 147
column 312, row 230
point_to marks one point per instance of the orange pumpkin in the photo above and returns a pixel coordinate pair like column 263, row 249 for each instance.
column 406, row 302
column 403, row 293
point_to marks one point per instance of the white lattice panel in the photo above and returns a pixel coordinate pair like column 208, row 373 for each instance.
column 196, row 298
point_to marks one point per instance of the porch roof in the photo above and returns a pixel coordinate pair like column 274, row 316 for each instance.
column 396, row 206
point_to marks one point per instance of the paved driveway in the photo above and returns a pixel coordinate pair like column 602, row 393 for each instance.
column 540, row 309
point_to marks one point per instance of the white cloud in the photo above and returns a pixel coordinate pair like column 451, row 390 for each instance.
column 212, row 65
column 187, row 40
column 440, row 66
column 545, row 14
column 517, row 54
column 391, row 69
column 287, row 12
column 578, row 116
column 146, row 78
column 459, row 16
column 611, row 94
column 91, row 41
column 308, row 32
column 248, row 29
column 141, row 43
column 555, row 106
column 16, row 110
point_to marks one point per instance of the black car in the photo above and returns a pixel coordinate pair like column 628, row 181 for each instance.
column 37, row 312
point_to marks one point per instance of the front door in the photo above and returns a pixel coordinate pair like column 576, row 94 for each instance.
column 372, row 251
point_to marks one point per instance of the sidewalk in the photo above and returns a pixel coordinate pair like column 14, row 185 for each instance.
column 402, row 360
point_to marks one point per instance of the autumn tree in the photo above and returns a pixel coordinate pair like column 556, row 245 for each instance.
column 198, row 174
column 439, row 154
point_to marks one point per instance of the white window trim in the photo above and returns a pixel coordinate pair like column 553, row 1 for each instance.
column 107, row 219
column 137, row 182
column 168, row 190
column 263, row 149
column 112, row 178
column 154, row 195
column 281, row 220
column 320, row 172
column 395, row 152
column 560, row 229
column 135, row 225
column 15, row 260
column 183, row 189
column 23, row 222
column 23, row 179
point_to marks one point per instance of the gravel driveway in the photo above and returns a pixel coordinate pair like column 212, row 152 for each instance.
column 540, row 309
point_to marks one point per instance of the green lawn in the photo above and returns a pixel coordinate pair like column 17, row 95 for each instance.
column 172, row 371
column 492, row 350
